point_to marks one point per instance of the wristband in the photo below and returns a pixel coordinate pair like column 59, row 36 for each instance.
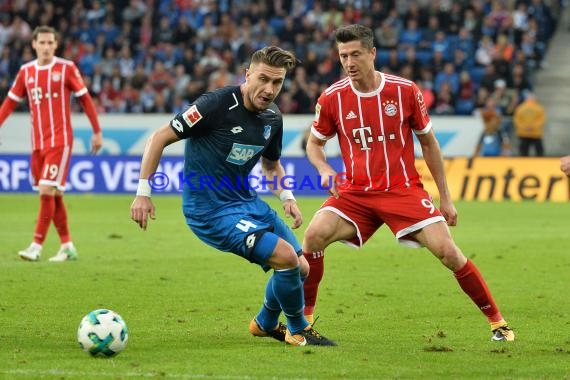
column 144, row 188
column 286, row 195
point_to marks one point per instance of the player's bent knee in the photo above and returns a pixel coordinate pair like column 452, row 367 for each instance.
column 314, row 240
column 283, row 256
column 283, row 260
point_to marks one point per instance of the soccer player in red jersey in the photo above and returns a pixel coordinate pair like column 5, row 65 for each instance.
column 375, row 116
column 48, row 82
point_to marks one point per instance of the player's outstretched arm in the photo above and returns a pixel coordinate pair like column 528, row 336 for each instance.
column 142, row 207
column 274, row 172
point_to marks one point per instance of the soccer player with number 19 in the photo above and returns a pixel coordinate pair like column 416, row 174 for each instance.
column 375, row 115
column 48, row 82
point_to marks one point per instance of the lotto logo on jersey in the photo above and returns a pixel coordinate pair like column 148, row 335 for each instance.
column 240, row 153
column 192, row 116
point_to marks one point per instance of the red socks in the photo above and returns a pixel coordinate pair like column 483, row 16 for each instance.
column 475, row 287
column 60, row 220
column 51, row 208
column 468, row 277
column 311, row 285
column 45, row 215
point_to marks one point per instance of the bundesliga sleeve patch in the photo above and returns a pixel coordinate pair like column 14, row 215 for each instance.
column 192, row 116
column 317, row 112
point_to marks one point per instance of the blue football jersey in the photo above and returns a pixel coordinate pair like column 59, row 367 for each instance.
column 224, row 141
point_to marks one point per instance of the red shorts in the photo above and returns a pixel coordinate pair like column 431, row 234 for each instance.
column 50, row 166
column 403, row 210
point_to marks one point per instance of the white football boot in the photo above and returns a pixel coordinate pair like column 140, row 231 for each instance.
column 32, row 253
column 67, row 252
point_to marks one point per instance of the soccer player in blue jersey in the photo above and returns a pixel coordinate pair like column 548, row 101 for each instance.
column 227, row 132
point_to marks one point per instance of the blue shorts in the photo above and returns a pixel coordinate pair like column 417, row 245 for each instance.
column 235, row 228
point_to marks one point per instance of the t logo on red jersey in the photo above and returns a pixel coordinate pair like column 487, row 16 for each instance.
column 192, row 116
column 363, row 136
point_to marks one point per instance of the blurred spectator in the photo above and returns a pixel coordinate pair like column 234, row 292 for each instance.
column 134, row 11
column 160, row 79
column 221, row 78
column 506, row 100
column 20, row 29
column 437, row 62
column 519, row 80
column 529, row 120
column 164, row 33
column 481, row 97
column 428, row 34
column 286, row 103
column 319, row 44
column 520, row 21
column 204, row 35
column 411, row 60
column 454, row 18
column 447, row 75
column 461, row 61
column 387, row 36
column 126, row 62
column 441, row 44
column 493, row 141
column 484, row 53
column 465, row 103
column 411, row 35
column 393, row 61
column 96, row 14
column 444, row 100
column 489, row 78
column 565, row 165
column 464, row 42
column 4, row 30
column 502, row 55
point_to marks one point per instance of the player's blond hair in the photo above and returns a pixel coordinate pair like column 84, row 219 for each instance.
column 274, row 56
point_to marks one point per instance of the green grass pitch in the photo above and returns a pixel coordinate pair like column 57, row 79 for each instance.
column 395, row 312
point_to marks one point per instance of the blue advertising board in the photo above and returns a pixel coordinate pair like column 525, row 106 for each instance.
column 120, row 174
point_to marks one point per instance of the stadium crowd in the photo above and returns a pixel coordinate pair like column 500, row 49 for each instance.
column 159, row 55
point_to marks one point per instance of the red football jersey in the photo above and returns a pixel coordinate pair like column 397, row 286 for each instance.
column 49, row 90
column 374, row 131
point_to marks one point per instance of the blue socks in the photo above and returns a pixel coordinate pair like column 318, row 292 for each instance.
column 288, row 290
column 268, row 316
column 284, row 291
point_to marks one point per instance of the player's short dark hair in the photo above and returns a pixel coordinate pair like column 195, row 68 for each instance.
column 43, row 29
column 355, row 32
column 274, row 56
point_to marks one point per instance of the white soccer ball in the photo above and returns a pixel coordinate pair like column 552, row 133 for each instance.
column 102, row 332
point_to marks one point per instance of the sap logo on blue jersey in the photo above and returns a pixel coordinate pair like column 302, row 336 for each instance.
column 241, row 153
